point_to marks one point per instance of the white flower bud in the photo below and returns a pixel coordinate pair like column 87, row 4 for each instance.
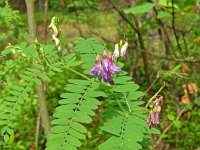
column 123, row 50
column 116, row 51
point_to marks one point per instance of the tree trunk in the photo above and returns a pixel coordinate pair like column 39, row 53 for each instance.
column 40, row 88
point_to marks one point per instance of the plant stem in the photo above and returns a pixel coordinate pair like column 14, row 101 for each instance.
column 129, row 108
column 120, row 105
column 155, row 95
column 78, row 73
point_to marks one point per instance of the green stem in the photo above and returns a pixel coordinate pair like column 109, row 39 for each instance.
column 78, row 73
column 120, row 105
column 155, row 95
column 129, row 108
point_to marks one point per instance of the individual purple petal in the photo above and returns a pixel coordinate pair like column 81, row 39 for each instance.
column 106, row 63
column 158, row 101
column 95, row 69
column 107, row 75
column 112, row 67
column 110, row 79
column 100, row 74
column 104, row 74
column 97, row 66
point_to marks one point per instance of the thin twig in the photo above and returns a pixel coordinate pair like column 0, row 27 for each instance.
column 168, row 42
column 122, row 15
column 77, row 19
column 169, row 58
column 170, row 125
column 102, row 37
column 173, row 27
column 154, row 81
column 142, row 46
column 155, row 95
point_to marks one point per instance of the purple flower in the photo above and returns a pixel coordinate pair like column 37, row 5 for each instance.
column 106, row 70
column 153, row 118
column 155, row 112
column 158, row 101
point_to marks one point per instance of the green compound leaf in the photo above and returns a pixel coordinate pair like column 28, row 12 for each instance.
column 127, row 127
column 88, row 48
column 76, row 108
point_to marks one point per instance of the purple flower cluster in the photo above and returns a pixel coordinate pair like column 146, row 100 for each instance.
column 105, row 69
column 154, row 113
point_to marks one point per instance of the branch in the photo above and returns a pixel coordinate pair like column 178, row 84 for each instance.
column 173, row 27
column 142, row 46
column 169, row 58
column 168, row 42
column 149, row 88
column 77, row 20
column 170, row 125
column 123, row 16
column 102, row 37
column 155, row 95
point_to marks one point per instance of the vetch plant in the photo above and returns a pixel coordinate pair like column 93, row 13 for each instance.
column 124, row 117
